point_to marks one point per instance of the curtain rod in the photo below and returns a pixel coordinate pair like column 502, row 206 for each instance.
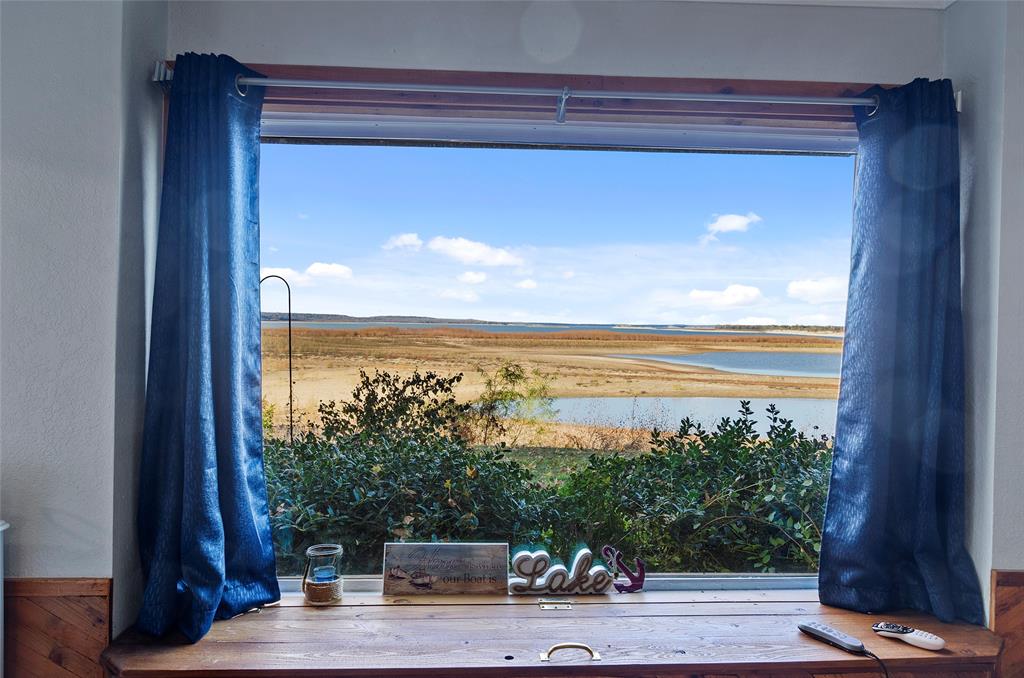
column 561, row 96
column 163, row 74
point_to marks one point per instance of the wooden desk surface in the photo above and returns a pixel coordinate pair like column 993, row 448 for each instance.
column 685, row 633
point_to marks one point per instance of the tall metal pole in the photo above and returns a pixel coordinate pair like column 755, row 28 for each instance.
column 291, row 422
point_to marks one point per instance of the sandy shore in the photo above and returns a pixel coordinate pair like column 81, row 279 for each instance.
column 576, row 364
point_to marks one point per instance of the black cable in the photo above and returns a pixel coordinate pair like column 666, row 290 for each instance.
column 869, row 653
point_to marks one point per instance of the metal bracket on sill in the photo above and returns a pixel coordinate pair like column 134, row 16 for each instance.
column 554, row 604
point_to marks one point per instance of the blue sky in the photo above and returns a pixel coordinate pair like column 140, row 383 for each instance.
column 557, row 236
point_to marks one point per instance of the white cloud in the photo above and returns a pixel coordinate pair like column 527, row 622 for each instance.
column 278, row 270
column 729, row 223
column 404, row 241
column 632, row 282
column 316, row 270
column 302, row 216
column 473, row 252
column 819, row 290
column 528, row 284
column 294, row 278
column 757, row 320
column 733, row 295
column 472, row 277
column 319, row 269
column 568, row 274
column 460, row 295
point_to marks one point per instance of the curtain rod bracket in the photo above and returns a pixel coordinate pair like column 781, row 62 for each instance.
column 562, row 100
column 161, row 71
column 162, row 74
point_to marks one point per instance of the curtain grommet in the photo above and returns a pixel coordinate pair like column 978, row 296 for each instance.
column 239, row 87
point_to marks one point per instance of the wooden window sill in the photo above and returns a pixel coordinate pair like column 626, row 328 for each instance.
column 739, row 634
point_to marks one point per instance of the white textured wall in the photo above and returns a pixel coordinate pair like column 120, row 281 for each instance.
column 60, row 132
column 1008, row 546
column 144, row 37
column 80, row 136
column 983, row 43
column 609, row 38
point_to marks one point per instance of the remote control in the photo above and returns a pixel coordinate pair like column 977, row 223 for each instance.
column 911, row 636
column 827, row 634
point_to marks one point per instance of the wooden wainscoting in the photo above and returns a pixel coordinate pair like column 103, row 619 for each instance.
column 1006, row 618
column 55, row 627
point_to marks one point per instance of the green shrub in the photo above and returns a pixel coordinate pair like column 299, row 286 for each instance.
column 268, row 419
column 394, row 463
column 707, row 501
column 389, row 466
column 420, row 406
column 513, row 402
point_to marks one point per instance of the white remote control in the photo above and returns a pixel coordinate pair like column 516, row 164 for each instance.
column 911, row 636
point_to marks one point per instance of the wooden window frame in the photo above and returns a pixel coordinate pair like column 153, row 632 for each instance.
column 541, row 108
column 293, row 115
column 731, row 118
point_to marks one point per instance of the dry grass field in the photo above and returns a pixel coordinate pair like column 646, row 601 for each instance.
column 575, row 363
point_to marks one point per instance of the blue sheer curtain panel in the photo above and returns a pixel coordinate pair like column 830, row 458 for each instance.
column 894, row 526
column 204, row 529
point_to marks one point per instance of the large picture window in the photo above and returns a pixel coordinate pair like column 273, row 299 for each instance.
column 553, row 345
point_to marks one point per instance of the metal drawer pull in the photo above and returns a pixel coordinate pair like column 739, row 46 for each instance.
column 546, row 656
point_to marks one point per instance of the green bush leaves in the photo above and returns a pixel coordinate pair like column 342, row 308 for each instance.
column 395, row 463
column 726, row 500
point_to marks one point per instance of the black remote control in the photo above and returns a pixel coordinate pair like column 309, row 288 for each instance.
column 827, row 634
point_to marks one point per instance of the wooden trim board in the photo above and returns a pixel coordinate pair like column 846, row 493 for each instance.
column 1006, row 618
column 56, row 627
column 56, row 588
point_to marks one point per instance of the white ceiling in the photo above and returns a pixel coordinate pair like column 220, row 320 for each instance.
column 891, row 4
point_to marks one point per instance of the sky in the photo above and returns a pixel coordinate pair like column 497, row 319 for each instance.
column 545, row 235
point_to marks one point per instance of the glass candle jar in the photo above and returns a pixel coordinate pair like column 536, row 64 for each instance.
column 321, row 580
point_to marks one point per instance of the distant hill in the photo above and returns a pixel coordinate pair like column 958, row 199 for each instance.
column 338, row 318
column 838, row 329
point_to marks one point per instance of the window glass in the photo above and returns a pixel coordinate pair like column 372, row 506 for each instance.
column 553, row 346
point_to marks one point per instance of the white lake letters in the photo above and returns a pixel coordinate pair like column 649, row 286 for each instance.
column 534, row 573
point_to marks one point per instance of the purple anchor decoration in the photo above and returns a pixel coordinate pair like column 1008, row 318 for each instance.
column 618, row 562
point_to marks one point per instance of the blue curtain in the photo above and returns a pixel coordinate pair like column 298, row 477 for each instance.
column 894, row 526
column 204, row 528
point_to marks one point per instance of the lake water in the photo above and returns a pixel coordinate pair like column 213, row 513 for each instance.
column 791, row 364
column 516, row 328
column 666, row 413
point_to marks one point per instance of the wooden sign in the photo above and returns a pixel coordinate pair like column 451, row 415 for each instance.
column 533, row 572
column 411, row 569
